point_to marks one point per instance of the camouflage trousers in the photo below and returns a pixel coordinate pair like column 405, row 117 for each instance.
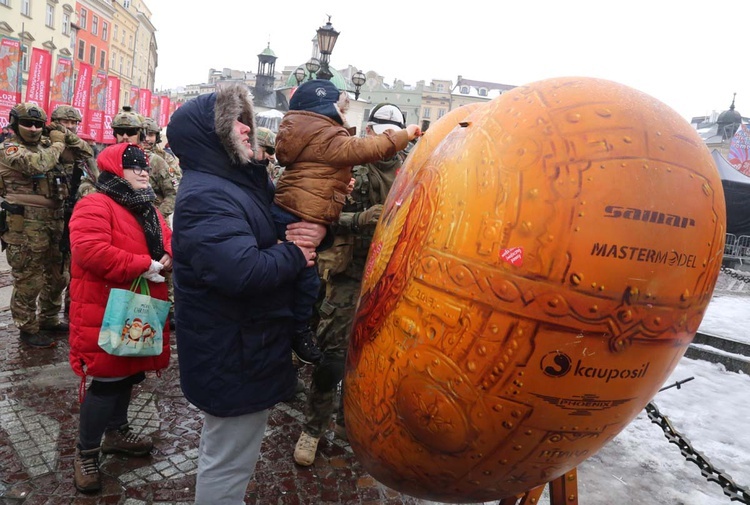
column 38, row 274
column 336, row 315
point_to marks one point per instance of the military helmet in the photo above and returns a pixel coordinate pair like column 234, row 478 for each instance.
column 149, row 124
column 26, row 110
column 266, row 138
column 127, row 118
column 66, row 113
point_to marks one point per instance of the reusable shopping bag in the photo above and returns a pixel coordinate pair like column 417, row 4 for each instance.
column 133, row 322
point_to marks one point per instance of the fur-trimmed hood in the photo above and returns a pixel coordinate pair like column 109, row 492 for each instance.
column 201, row 131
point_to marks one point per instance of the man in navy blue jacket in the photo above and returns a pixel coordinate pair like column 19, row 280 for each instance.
column 234, row 288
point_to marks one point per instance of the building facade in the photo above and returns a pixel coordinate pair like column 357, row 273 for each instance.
column 92, row 33
column 46, row 24
column 146, row 57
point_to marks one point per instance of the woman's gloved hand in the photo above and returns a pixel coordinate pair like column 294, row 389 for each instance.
column 152, row 273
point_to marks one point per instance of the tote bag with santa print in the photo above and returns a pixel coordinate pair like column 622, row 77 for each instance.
column 133, row 322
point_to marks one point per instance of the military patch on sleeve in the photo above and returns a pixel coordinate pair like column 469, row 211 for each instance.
column 10, row 150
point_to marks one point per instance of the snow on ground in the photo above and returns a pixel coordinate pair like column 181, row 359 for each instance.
column 728, row 315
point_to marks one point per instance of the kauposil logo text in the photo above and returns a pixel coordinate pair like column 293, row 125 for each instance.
column 558, row 364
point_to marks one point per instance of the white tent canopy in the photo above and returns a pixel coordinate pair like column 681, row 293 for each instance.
column 269, row 119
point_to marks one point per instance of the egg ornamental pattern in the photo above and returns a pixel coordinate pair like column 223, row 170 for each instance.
column 541, row 265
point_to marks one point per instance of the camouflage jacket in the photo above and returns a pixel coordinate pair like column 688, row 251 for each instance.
column 351, row 242
column 24, row 171
column 79, row 164
column 173, row 163
column 162, row 184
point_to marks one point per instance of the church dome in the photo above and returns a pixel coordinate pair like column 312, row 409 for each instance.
column 730, row 116
column 729, row 121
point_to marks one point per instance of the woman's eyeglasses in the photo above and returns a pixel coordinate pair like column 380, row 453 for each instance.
column 29, row 123
column 139, row 170
column 269, row 150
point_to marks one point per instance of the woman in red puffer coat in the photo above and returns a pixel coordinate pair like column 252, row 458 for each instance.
column 116, row 235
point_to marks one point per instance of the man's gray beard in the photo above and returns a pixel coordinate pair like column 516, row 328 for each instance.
column 239, row 147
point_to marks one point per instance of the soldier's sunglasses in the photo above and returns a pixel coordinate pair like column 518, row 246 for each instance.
column 29, row 123
column 126, row 131
column 139, row 170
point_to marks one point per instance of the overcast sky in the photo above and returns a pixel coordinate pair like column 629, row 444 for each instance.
column 689, row 54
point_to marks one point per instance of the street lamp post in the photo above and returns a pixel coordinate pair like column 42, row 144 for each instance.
column 326, row 41
column 299, row 74
column 358, row 79
column 312, row 66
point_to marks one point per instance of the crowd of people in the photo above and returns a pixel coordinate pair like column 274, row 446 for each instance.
column 236, row 226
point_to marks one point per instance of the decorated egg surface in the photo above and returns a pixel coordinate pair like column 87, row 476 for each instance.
column 542, row 263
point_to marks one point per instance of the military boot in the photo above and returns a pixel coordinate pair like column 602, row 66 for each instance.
column 37, row 340
column 86, row 464
column 304, row 451
column 124, row 441
column 55, row 327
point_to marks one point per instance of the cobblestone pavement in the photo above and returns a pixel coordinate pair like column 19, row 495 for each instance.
column 38, row 428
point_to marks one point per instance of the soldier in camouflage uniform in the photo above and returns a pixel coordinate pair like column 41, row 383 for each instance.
column 341, row 268
column 78, row 163
column 128, row 127
column 32, row 221
column 152, row 144
column 266, row 153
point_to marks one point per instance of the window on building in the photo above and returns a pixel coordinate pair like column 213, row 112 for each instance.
column 82, row 17
column 425, row 112
column 440, row 87
column 441, row 113
column 49, row 18
column 105, row 27
column 25, row 57
column 26, row 7
column 126, row 3
column 464, row 90
column 114, row 34
column 92, row 55
column 103, row 59
column 81, row 49
column 66, row 24
column 95, row 25
column 112, row 61
column 122, row 38
column 120, row 64
column 482, row 91
column 130, row 42
column 5, row 3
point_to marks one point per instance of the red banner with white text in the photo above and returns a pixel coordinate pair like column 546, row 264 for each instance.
column 96, row 106
column 81, row 96
column 37, row 87
column 111, row 107
column 144, row 102
column 155, row 103
column 61, row 92
column 164, row 111
column 135, row 96
column 10, row 78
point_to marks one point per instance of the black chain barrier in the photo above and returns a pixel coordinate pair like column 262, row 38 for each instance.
column 735, row 274
column 734, row 491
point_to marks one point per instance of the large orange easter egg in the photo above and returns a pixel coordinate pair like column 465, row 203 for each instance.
column 541, row 265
